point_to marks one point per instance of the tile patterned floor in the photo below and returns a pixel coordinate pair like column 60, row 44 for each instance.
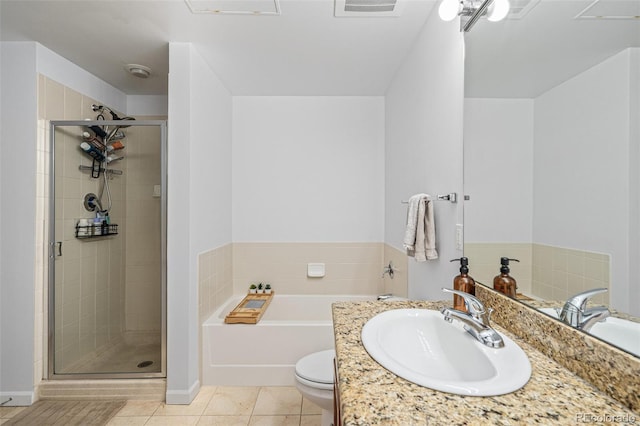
column 219, row 406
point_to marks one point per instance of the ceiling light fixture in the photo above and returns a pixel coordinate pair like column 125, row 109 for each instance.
column 471, row 10
column 138, row 70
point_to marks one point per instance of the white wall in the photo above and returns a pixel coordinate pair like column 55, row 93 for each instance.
column 498, row 170
column 582, row 171
column 308, row 169
column 634, row 187
column 423, row 152
column 150, row 105
column 199, row 216
column 18, row 133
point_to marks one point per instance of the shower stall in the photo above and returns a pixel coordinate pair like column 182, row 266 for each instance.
column 107, row 241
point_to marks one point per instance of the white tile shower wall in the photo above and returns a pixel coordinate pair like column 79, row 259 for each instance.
column 90, row 292
column 351, row 268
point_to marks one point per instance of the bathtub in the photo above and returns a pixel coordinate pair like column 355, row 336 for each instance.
column 265, row 354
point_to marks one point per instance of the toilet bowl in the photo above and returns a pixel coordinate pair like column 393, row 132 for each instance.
column 314, row 380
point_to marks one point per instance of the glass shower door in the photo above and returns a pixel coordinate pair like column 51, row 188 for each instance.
column 107, row 263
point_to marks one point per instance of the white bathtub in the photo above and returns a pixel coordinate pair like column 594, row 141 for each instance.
column 265, row 354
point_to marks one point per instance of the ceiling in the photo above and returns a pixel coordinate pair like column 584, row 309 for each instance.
column 306, row 50
column 303, row 51
column 523, row 58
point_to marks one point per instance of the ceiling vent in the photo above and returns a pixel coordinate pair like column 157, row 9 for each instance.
column 234, row 7
column 367, row 8
column 611, row 9
column 520, row 8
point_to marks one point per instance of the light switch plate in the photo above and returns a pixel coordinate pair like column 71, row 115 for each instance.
column 459, row 236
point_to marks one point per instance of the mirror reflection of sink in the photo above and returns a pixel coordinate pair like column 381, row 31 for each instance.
column 617, row 331
column 420, row 346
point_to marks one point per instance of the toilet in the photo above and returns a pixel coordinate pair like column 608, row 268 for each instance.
column 314, row 380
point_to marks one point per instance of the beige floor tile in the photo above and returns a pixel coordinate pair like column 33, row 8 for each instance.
column 179, row 410
column 313, row 420
column 196, row 408
column 128, row 421
column 278, row 401
column 274, row 421
column 172, row 421
column 232, row 401
column 309, row 407
column 223, row 421
column 138, row 408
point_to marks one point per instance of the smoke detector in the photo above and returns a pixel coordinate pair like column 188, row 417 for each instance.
column 139, row 71
column 367, row 8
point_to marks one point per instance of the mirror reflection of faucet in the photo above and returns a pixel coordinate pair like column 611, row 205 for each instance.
column 576, row 314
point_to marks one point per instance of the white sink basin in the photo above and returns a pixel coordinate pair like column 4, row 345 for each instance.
column 420, row 346
column 617, row 331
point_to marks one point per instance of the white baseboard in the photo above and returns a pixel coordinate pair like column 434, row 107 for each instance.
column 15, row 399
column 180, row 397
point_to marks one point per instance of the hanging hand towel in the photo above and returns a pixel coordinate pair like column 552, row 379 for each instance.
column 420, row 238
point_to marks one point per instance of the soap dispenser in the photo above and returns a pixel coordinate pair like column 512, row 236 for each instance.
column 463, row 282
column 505, row 283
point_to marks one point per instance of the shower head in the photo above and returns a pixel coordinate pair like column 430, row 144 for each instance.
column 114, row 116
column 125, row 119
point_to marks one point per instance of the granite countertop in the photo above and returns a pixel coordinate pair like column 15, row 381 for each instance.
column 371, row 395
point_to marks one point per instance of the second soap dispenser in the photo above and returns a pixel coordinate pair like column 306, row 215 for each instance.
column 505, row 283
column 463, row 282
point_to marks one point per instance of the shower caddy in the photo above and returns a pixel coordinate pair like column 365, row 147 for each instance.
column 97, row 143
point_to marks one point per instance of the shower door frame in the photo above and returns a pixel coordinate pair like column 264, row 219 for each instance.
column 51, row 374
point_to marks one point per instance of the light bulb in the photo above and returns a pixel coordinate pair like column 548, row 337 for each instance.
column 448, row 9
column 498, row 10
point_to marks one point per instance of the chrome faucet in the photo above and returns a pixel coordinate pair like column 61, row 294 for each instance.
column 575, row 312
column 476, row 321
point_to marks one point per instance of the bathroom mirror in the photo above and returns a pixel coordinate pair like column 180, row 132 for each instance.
column 551, row 139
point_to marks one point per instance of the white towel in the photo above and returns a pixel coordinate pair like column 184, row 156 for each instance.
column 420, row 237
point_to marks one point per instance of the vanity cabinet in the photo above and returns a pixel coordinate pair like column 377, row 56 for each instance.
column 337, row 413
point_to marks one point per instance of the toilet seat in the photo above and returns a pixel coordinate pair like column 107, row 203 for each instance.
column 315, row 385
column 316, row 369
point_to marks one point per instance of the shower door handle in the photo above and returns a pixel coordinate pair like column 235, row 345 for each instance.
column 58, row 245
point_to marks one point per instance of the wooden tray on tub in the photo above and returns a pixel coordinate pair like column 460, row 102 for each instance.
column 250, row 309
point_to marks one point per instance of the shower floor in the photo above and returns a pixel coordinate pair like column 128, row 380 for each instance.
column 135, row 353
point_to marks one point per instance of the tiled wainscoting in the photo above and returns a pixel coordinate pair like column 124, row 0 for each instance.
column 351, row 268
column 547, row 272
